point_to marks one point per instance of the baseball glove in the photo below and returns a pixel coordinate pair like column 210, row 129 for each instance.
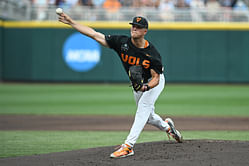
column 136, row 77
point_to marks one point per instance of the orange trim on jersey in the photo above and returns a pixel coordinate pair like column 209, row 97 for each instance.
column 146, row 44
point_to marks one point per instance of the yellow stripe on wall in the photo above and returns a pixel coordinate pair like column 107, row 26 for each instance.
column 1, row 23
column 33, row 24
column 125, row 25
column 201, row 26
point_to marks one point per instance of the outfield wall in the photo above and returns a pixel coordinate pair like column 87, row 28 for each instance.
column 1, row 50
column 33, row 51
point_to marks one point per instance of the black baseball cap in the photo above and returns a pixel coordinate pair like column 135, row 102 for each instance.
column 140, row 21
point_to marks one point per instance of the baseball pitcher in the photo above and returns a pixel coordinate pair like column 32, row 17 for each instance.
column 143, row 65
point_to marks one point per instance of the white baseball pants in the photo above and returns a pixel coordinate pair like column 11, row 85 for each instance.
column 145, row 112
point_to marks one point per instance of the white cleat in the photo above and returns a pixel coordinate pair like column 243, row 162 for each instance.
column 173, row 132
column 123, row 151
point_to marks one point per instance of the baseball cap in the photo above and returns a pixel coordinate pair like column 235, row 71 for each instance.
column 140, row 21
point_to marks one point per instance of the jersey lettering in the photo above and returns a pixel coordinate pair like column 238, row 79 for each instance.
column 134, row 60
column 130, row 55
column 124, row 59
column 146, row 64
column 138, row 60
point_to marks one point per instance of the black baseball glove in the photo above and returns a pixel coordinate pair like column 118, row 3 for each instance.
column 136, row 77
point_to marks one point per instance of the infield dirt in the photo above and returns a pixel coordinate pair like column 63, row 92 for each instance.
column 114, row 123
column 189, row 153
column 164, row 153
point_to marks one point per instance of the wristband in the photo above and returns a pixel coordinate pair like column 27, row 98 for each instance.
column 146, row 88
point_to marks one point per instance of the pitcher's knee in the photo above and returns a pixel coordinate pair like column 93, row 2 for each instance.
column 152, row 120
column 145, row 105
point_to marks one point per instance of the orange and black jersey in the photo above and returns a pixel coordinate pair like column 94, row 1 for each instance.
column 130, row 55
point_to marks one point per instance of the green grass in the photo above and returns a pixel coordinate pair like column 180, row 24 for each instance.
column 106, row 99
column 76, row 99
column 21, row 143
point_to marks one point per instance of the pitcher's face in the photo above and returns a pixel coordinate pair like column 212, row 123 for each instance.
column 137, row 32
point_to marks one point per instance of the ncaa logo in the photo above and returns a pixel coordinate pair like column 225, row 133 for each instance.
column 81, row 53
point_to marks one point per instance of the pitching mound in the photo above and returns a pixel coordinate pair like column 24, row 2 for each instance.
column 165, row 153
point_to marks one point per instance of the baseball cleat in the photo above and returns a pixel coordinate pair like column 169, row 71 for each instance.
column 173, row 132
column 123, row 151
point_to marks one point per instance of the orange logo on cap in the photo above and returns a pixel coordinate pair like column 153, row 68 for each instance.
column 138, row 19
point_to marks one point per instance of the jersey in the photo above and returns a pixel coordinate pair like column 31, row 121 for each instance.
column 130, row 55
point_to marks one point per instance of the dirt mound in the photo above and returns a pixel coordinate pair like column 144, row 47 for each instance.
column 170, row 153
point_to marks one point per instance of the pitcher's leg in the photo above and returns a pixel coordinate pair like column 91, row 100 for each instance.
column 145, row 108
column 137, row 96
column 158, row 122
column 141, row 118
column 155, row 119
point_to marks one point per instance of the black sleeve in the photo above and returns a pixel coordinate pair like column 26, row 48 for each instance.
column 156, row 62
column 113, row 41
column 156, row 65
